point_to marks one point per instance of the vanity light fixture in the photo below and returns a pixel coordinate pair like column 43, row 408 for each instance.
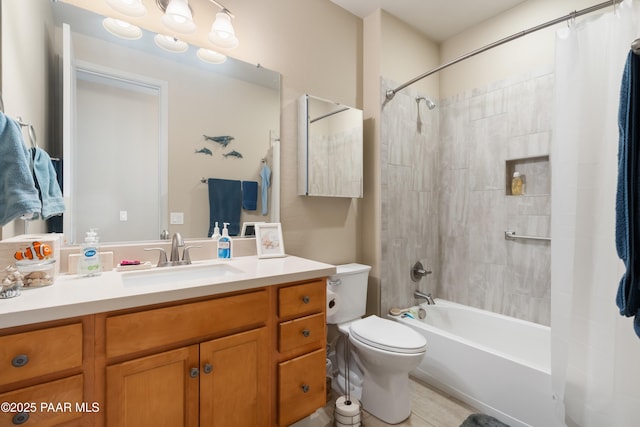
column 132, row 8
column 222, row 33
column 170, row 44
column 122, row 29
column 211, row 56
column 178, row 16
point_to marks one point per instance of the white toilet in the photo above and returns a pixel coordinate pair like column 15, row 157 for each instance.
column 383, row 351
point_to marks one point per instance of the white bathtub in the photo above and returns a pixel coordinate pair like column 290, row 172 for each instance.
column 497, row 364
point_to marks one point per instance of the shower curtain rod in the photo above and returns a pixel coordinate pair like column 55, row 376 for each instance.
column 392, row 92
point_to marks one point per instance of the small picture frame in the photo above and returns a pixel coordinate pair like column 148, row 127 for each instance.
column 249, row 229
column 269, row 240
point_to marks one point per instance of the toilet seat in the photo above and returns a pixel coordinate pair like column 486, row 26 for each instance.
column 388, row 335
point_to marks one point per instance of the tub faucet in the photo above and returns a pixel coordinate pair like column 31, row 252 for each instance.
column 418, row 294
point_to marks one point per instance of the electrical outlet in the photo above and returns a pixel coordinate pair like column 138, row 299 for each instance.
column 176, row 218
column 123, row 215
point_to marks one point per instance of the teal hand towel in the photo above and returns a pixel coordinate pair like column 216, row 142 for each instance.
column 46, row 181
column 18, row 193
column 249, row 195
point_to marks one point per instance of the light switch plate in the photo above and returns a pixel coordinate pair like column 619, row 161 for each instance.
column 176, row 218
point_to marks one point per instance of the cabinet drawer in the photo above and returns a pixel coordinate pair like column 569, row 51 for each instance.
column 48, row 404
column 143, row 330
column 40, row 352
column 299, row 300
column 300, row 332
column 301, row 386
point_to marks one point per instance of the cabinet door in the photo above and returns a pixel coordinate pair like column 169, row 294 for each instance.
column 157, row 390
column 234, row 386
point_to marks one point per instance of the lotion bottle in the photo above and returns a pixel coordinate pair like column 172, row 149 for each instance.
column 224, row 243
column 89, row 262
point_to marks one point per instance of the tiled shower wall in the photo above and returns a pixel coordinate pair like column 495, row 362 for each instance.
column 446, row 202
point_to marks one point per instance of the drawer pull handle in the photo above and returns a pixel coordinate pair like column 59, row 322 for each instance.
column 305, row 388
column 306, row 299
column 20, row 360
column 194, row 372
column 20, row 418
column 208, row 368
column 306, row 333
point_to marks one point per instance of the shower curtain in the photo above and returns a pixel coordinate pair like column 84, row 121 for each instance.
column 595, row 353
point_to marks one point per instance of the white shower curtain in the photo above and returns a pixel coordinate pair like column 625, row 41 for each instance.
column 595, row 353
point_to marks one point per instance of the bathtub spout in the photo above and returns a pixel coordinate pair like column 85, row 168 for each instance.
column 418, row 294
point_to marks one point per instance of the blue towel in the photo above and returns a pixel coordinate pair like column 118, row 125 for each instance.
column 46, row 181
column 249, row 195
column 54, row 224
column 265, row 175
column 225, row 203
column 18, row 193
column 627, row 230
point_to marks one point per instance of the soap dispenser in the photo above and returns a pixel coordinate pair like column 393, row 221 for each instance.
column 89, row 262
column 216, row 232
column 224, row 243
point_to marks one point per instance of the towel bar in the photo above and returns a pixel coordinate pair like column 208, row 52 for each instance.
column 511, row 235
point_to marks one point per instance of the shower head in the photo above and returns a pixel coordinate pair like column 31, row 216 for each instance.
column 430, row 104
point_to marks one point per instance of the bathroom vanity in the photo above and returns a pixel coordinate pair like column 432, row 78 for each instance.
column 245, row 348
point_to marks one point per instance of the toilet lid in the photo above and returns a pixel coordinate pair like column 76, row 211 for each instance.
column 388, row 335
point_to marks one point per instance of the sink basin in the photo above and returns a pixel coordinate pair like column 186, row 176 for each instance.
column 179, row 274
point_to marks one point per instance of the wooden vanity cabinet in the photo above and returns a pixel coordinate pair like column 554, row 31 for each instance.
column 46, row 374
column 221, row 381
column 253, row 358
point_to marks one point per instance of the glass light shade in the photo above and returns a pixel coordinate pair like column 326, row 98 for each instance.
column 211, row 56
column 178, row 17
column 170, row 44
column 133, row 8
column 122, row 29
column 222, row 33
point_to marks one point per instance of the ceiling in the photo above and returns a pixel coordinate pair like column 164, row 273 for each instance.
column 437, row 19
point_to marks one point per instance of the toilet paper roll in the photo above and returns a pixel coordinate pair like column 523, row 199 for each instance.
column 333, row 303
column 348, row 415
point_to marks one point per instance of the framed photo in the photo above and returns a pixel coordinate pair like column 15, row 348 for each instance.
column 249, row 229
column 269, row 240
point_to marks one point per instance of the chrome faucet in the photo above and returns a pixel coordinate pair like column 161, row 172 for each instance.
column 176, row 242
column 428, row 297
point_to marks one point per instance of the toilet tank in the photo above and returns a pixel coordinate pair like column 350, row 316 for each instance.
column 350, row 284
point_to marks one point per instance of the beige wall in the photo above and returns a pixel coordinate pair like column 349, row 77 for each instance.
column 532, row 51
column 25, row 77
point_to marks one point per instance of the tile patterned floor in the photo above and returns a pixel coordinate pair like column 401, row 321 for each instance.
column 430, row 408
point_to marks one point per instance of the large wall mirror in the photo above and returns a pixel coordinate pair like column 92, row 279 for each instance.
column 136, row 151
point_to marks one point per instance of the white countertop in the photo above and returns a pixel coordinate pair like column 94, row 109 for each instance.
column 72, row 296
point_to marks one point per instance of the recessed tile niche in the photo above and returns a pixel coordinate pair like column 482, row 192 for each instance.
column 537, row 175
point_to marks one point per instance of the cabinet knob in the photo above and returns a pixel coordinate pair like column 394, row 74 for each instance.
column 194, row 372
column 20, row 418
column 208, row 368
column 305, row 388
column 306, row 333
column 306, row 299
column 20, row 360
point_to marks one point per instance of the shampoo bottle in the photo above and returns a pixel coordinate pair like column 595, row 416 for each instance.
column 89, row 262
column 517, row 184
column 224, row 243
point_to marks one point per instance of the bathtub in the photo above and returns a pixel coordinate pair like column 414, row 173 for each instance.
column 497, row 364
